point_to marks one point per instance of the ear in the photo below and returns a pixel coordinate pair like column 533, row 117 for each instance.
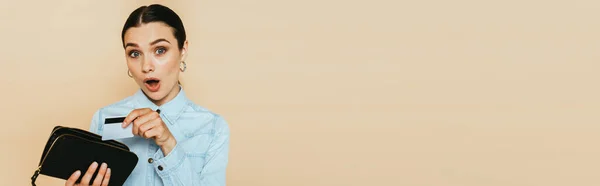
column 184, row 50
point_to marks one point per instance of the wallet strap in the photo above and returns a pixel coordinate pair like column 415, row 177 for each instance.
column 35, row 175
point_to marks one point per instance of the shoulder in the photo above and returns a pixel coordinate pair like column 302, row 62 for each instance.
column 118, row 108
column 205, row 117
column 125, row 103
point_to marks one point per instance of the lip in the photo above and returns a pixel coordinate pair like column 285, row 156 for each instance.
column 150, row 78
column 154, row 88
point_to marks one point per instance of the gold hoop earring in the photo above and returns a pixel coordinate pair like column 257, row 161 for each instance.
column 184, row 66
column 129, row 73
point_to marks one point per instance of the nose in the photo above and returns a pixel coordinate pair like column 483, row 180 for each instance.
column 147, row 65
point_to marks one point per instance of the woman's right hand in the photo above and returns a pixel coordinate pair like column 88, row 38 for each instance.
column 101, row 179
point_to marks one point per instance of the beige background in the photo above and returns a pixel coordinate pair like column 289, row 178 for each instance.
column 427, row 93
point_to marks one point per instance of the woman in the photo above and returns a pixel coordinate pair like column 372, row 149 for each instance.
column 177, row 141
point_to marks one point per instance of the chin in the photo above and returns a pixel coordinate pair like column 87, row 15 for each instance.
column 155, row 96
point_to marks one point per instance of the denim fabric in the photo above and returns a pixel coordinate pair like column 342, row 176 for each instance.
column 200, row 156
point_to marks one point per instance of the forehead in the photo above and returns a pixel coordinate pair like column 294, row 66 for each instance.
column 148, row 32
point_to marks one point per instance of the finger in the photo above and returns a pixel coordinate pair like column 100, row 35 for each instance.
column 136, row 127
column 148, row 116
column 134, row 114
column 150, row 133
column 106, row 178
column 100, row 176
column 143, row 120
column 151, row 125
column 88, row 175
column 71, row 181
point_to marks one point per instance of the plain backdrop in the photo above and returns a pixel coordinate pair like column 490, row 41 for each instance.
column 333, row 92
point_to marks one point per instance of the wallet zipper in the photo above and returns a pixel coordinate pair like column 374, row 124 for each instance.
column 75, row 130
column 40, row 167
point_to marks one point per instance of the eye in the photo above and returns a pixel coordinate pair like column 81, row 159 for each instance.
column 134, row 54
column 161, row 50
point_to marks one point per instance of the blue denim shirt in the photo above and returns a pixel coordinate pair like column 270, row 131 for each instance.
column 200, row 156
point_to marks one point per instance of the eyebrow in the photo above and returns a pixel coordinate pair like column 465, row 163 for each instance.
column 131, row 44
column 159, row 40
column 152, row 43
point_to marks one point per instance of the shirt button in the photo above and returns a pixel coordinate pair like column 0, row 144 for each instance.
column 150, row 160
column 160, row 168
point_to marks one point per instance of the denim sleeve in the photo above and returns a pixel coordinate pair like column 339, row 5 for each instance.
column 94, row 123
column 178, row 170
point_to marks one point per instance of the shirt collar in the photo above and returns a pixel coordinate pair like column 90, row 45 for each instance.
column 174, row 106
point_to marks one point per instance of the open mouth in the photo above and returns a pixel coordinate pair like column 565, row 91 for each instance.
column 153, row 84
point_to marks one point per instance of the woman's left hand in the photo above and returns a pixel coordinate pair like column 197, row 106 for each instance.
column 148, row 124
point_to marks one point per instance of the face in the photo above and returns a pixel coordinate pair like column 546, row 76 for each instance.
column 153, row 58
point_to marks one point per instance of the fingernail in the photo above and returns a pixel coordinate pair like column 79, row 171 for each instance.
column 108, row 171
column 77, row 173
column 103, row 164
column 95, row 164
